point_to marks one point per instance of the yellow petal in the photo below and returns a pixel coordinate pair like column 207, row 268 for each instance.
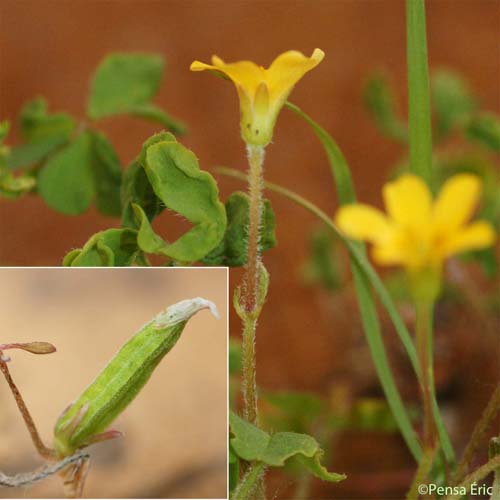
column 475, row 236
column 389, row 255
column 456, row 202
column 287, row 69
column 408, row 201
column 362, row 222
column 246, row 74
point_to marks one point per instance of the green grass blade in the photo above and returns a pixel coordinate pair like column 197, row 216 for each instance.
column 371, row 326
column 338, row 164
column 419, row 112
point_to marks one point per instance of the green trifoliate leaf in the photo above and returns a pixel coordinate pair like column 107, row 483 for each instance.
column 232, row 250
column 125, row 84
column 43, row 133
column 484, row 128
column 122, row 81
column 137, row 189
column 452, row 100
column 179, row 183
column 162, row 136
column 379, row 101
column 253, row 444
column 66, row 182
column 36, row 123
column 107, row 174
column 84, row 170
column 113, row 247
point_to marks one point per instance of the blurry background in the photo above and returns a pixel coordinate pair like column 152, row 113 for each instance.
column 174, row 443
column 310, row 341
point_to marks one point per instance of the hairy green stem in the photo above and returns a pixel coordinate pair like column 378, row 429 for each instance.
column 247, row 487
column 251, row 282
column 487, row 417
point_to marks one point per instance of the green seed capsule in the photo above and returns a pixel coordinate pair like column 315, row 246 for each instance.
column 122, row 379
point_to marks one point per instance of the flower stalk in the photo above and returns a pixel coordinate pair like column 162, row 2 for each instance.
column 424, row 341
column 43, row 451
column 251, row 284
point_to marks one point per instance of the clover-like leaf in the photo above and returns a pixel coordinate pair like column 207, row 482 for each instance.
column 86, row 169
column 66, row 182
column 253, row 444
column 125, row 84
column 179, row 183
column 122, row 81
column 43, row 133
column 232, row 250
column 136, row 188
column 107, row 174
column 112, row 248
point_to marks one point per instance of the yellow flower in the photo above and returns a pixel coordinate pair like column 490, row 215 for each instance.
column 263, row 92
column 418, row 232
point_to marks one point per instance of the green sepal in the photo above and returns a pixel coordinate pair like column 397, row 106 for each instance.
column 179, row 183
column 43, row 133
column 232, row 250
column 125, row 84
column 109, row 248
column 253, row 444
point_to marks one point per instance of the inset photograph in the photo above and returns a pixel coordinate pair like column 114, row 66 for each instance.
column 114, row 383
